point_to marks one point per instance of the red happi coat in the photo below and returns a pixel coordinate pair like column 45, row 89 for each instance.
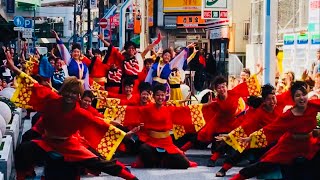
column 114, row 61
column 114, row 80
column 39, row 127
column 259, row 118
column 284, row 99
column 99, row 70
column 133, row 101
column 220, row 115
column 58, row 123
column 283, row 129
column 253, row 120
column 130, row 67
column 160, row 120
column 142, row 75
column 94, row 112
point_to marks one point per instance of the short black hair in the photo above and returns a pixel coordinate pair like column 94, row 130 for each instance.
column 128, row 81
column 159, row 87
column 148, row 60
column 174, row 70
column 145, row 86
column 76, row 46
column 57, row 59
column 254, row 101
column 51, row 58
column 219, row 80
column 128, row 44
column 97, row 51
column 88, row 93
column 167, row 51
column 298, row 85
column 266, row 90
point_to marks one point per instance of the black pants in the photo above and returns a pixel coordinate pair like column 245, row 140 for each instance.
column 190, row 137
column 35, row 118
column 301, row 169
column 151, row 158
column 132, row 146
column 29, row 153
column 222, row 148
column 257, row 169
column 235, row 157
column 30, row 135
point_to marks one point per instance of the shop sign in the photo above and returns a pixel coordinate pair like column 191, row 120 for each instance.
column 219, row 33
column 181, row 6
column 190, row 22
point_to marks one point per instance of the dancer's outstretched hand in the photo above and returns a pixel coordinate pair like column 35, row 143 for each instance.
column 221, row 137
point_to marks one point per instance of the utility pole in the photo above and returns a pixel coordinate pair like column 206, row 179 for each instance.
column 34, row 27
column 101, row 9
column 89, row 43
column 269, row 40
column 75, row 21
column 101, row 14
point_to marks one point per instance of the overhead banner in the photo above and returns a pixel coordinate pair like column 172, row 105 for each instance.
column 214, row 9
column 181, row 6
column 190, row 22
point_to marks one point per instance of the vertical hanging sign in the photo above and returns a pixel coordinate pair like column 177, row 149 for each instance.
column 10, row 6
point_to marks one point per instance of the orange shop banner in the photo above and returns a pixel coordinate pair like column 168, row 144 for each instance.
column 190, row 22
column 150, row 12
column 182, row 5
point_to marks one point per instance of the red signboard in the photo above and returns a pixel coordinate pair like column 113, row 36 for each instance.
column 190, row 22
column 207, row 14
column 103, row 23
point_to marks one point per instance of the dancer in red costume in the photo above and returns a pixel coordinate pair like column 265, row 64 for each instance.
column 59, row 130
column 130, row 61
column 129, row 98
column 221, row 114
column 147, row 65
column 158, row 149
column 37, row 129
column 293, row 132
column 97, row 69
column 132, row 146
column 254, row 119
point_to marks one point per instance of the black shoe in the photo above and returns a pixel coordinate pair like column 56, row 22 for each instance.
column 221, row 173
column 211, row 163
